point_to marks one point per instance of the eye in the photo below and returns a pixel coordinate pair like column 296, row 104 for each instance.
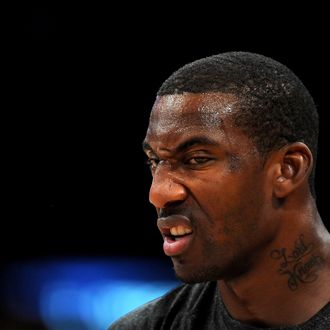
column 197, row 160
column 152, row 163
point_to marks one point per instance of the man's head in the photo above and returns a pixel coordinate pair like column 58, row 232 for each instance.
column 275, row 106
column 227, row 143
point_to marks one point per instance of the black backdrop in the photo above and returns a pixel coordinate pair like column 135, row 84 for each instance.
column 81, row 86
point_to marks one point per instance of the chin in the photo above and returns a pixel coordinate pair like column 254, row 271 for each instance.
column 196, row 274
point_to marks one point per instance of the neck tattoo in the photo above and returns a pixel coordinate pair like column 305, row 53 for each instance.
column 300, row 265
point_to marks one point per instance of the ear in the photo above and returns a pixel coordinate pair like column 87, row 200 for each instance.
column 293, row 166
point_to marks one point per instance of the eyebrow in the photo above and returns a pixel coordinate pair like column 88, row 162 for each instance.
column 193, row 141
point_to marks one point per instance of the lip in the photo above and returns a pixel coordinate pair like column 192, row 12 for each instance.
column 173, row 247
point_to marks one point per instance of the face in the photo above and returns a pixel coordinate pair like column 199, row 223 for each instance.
column 209, row 186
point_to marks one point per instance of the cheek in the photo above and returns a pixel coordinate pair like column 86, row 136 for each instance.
column 232, row 204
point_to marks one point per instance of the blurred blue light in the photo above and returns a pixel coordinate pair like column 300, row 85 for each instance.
column 98, row 304
column 84, row 295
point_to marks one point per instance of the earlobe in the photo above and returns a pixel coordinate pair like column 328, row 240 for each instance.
column 293, row 169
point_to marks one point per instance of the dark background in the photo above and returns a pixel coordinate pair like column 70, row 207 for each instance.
column 81, row 84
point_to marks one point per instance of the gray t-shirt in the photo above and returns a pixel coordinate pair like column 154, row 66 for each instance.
column 199, row 306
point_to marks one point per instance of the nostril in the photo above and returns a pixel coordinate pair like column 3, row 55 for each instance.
column 171, row 208
column 173, row 204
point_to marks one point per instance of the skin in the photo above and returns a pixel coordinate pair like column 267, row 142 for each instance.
column 243, row 211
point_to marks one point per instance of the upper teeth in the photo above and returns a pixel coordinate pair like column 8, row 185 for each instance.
column 180, row 230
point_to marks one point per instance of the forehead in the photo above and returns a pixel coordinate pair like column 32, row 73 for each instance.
column 182, row 113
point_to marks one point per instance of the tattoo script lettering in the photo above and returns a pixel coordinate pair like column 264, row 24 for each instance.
column 301, row 265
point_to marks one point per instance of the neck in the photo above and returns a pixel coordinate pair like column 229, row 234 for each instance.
column 290, row 281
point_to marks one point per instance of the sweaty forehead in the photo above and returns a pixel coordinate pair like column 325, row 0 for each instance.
column 185, row 111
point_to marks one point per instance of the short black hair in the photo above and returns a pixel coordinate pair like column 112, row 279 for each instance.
column 275, row 108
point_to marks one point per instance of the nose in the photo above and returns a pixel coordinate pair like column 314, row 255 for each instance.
column 166, row 188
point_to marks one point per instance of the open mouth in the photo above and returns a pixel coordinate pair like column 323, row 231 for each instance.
column 177, row 232
column 176, row 240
